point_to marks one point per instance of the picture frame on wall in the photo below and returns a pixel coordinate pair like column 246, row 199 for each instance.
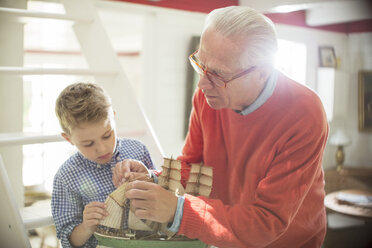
column 327, row 57
column 365, row 101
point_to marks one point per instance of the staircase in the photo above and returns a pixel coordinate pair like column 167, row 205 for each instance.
column 103, row 65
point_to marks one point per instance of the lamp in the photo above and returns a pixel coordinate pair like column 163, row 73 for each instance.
column 339, row 139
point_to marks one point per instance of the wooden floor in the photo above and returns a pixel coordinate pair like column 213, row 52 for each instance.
column 44, row 238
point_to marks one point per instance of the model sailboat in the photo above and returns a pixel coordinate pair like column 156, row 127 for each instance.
column 200, row 180
column 121, row 223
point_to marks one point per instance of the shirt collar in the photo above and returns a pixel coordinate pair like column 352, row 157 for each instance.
column 264, row 96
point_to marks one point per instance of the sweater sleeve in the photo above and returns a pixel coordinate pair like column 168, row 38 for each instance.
column 193, row 149
column 295, row 169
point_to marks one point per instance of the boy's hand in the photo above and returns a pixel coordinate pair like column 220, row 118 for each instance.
column 93, row 213
column 129, row 170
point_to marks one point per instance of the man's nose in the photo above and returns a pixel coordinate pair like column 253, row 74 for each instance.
column 204, row 82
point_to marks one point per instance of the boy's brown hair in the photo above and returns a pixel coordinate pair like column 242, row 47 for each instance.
column 82, row 103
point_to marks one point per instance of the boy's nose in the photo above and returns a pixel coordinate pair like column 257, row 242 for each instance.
column 100, row 147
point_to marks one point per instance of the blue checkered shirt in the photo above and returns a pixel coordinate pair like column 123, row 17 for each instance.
column 80, row 181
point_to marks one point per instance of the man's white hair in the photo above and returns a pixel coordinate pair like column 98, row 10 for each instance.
column 244, row 22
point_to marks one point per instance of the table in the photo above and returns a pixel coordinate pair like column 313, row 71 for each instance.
column 362, row 172
column 332, row 203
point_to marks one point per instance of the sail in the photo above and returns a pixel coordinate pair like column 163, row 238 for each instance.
column 115, row 203
column 200, row 180
column 170, row 178
column 137, row 224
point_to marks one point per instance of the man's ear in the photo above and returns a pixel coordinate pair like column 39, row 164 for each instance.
column 67, row 138
column 265, row 72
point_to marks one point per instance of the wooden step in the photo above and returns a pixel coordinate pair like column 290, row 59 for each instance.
column 9, row 139
column 38, row 14
column 7, row 70
column 37, row 215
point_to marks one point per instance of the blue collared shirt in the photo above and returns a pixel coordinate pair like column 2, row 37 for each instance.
column 80, row 181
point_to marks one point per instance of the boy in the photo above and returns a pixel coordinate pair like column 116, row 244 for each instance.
column 84, row 181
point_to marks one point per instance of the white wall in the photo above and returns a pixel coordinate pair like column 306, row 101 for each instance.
column 164, row 45
column 169, row 61
column 359, row 153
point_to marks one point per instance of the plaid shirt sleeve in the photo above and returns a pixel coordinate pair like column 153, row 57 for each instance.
column 67, row 209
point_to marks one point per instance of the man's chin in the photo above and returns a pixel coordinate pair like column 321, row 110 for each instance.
column 214, row 105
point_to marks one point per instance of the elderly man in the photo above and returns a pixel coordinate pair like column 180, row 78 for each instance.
column 264, row 135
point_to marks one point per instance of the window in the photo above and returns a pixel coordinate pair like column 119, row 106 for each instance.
column 291, row 59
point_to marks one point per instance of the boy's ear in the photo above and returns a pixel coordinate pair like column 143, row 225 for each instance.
column 66, row 137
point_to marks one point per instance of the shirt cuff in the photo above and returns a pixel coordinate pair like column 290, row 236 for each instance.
column 66, row 233
column 178, row 215
column 153, row 175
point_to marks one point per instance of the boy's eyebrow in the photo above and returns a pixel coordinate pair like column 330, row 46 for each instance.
column 105, row 133
column 108, row 131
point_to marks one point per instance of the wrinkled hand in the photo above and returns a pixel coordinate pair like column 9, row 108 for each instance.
column 152, row 202
column 129, row 170
column 93, row 213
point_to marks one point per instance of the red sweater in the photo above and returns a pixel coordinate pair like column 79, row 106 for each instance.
column 268, row 187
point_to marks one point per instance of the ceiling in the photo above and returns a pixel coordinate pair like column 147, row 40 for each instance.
column 317, row 12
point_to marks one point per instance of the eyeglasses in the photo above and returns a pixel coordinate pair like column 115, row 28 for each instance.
column 213, row 77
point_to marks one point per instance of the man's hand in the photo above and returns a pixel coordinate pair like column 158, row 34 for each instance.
column 152, row 202
column 129, row 170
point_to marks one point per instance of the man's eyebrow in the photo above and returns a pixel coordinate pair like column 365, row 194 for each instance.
column 215, row 71
column 218, row 72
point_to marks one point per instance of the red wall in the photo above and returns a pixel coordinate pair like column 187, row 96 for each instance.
column 204, row 6
column 296, row 18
